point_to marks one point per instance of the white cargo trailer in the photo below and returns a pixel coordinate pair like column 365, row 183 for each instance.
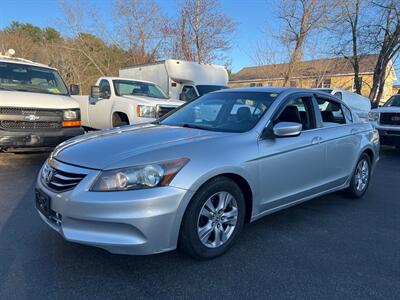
column 180, row 79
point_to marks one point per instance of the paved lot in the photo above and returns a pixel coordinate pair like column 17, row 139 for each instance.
column 330, row 247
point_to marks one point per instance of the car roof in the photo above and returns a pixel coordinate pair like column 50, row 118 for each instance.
column 22, row 61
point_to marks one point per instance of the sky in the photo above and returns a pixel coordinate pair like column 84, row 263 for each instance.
column 256, row 22
column 250, row 16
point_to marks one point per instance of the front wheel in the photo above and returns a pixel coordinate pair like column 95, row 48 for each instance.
column 361, row 177
column 213, row 219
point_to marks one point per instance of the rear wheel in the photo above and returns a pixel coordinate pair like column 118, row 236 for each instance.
column 119, row 120
column 213, row 219
column 361, row 177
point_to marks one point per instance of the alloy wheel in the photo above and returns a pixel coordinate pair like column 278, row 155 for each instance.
column 362, row 175
column 217, row 219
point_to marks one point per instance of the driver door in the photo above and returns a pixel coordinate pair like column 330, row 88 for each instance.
column 291, row 168
column 100, row 108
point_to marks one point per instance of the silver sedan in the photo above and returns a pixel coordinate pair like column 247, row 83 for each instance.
column 192, row 179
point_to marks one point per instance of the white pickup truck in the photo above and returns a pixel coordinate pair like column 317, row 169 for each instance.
column 116, row 101
column 386, row 120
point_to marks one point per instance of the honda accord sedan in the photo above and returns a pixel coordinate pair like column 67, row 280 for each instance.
column 193, row 178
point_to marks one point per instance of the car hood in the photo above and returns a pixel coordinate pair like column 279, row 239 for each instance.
column 155, row 101
column 104, row 149
column 388, row 109
column 36, row 100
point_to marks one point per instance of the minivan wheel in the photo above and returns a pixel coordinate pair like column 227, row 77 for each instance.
column 213, row 219
column 361, row 177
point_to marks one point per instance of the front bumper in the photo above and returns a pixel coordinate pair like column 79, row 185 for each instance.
column 130, row 222
column 389, row 135
column 38, row 138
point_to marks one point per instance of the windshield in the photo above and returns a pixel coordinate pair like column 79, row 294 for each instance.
column 25, row 78
column 204, row 89
column 393, row 101
column 227, row 111
column 129, row 88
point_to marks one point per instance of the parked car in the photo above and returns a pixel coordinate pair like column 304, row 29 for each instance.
column 116, row 101
column 387, row 120
column 37, row 111
column 360, row 105
column 184, row 80
column 193, row 178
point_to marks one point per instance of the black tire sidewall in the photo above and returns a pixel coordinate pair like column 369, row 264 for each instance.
column 189, row 241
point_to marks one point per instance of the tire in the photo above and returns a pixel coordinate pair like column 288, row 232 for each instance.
column 361, row 177
column 118, row 121
column 219, row 229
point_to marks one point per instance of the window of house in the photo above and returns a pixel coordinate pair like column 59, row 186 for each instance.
column 331, row 112
column 324, row 83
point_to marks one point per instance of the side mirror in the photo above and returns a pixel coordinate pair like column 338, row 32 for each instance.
column 74, row 89
column 95, row 91
column 287, row 129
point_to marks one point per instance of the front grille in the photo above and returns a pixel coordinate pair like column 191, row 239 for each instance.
column 18, row 118
column 390, row 119
column 28, row 125
column 58, row 180
column 163, row 110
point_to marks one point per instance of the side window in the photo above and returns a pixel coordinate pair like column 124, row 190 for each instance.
column 331, row 112
column 105, row 88
column 298, row 110
column 188, row 93
column 347, row 114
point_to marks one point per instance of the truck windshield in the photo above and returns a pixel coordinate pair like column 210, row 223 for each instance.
column 393, row 101
column 204, row 89
column 224, row 112
column 129, row 88
column 26, row 78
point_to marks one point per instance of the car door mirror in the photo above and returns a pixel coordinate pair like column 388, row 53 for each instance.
column 287, row 129
column 95, row 92
column 74, row 89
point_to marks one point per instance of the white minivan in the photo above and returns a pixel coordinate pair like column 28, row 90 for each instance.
column 359, row 104
column 37, row 111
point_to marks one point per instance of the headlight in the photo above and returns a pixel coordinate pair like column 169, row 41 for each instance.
column 138, row 177
column 72, row 118
column 145, row 111
column 373, row 116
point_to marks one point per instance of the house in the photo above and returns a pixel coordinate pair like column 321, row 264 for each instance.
column 323, row 73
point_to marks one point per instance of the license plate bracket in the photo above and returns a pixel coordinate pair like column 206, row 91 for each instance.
column 43, row 203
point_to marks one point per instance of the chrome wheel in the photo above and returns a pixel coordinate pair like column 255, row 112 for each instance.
column 217, row 219
column 362, row 175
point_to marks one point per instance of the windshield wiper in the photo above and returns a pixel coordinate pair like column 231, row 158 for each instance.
column 194, row 126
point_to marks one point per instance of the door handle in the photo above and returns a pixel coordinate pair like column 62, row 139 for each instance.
column 354, row 131
column 316, row 140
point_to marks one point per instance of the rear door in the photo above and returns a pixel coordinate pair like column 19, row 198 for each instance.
column 339, row 135
column 292, row 168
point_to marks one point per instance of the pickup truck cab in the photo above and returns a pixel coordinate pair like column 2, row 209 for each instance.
column 386, row 120
column 116, row 101
column 37, row 111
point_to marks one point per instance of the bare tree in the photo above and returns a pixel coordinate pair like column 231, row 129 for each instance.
column 384, row 36
column 202, row 32
column 347, row 35
column 142, row 29
column 300, row 18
